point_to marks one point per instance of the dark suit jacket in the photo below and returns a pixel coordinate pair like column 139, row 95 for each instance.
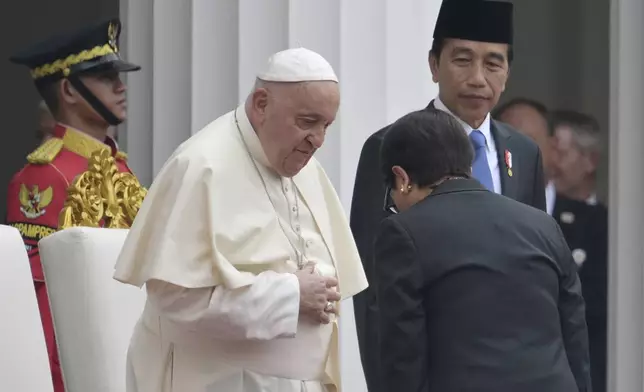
column 525, row 185
column 585, row 228
column 478, row 292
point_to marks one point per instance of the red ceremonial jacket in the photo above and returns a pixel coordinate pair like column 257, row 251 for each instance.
column 37, row 192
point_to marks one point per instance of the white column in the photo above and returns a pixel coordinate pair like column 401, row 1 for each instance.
column 626, row 272
column 214, row 61
column 200, row 58
column 316, row 25
column 363, row 81
column 263, row 30
column 171, row 77
column 384, row 74
column 384, row 71
column 410, row 27
column 189, row 53
column 136, row 134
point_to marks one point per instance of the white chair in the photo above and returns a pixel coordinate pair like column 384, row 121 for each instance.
column 24, row 364
column 94, row 315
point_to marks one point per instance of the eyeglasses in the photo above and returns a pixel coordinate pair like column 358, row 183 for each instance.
column 388, row 205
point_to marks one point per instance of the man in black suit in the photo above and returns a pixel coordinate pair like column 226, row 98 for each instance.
column 476, row 291
column 469, row 59
column 584, row 222
column 531, row 118
column 585, row 227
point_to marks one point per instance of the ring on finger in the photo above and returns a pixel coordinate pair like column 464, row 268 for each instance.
column 329, row 306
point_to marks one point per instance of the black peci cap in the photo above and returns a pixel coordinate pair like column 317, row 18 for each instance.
column 475, row 20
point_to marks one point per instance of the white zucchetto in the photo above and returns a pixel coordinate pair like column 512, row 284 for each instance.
column 297, row 65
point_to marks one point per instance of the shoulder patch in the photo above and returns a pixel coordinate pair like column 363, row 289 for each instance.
column 121, row 156
column 33, row 202
column 46, row 152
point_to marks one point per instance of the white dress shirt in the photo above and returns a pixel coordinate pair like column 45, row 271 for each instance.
column 551, row 197
column 492, row 157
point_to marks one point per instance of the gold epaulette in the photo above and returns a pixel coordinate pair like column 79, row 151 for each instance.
column 121, row 156
column 46, row 152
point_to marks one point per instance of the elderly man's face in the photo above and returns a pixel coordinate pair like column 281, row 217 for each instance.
column 574, row 166
column 531, row 123
column 471, row 77
column 293, row 119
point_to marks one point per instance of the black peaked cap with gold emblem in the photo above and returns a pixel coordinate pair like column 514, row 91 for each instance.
column 91, row 49
column 475, row 20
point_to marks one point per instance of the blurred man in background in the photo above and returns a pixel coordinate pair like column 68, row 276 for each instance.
column 578, row 147
column 584, row 222
column 530, row 117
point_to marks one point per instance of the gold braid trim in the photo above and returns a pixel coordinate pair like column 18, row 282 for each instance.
column 46, row 152
column 63, row 65
column 81, row 143
column 101, row 196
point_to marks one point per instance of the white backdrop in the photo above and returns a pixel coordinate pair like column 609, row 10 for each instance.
column 199, row 59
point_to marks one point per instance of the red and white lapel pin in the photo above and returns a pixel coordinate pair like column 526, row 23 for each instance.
column 508, row 162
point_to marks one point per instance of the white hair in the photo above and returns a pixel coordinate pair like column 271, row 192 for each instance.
column 585, row 129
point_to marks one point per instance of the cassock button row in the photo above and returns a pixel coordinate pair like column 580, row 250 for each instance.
column 308, row 243
column 294, row 209
column 297, row 228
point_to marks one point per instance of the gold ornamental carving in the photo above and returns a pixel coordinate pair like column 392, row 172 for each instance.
column 102, row 196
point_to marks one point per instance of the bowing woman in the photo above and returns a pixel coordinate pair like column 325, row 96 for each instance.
column 476, row 291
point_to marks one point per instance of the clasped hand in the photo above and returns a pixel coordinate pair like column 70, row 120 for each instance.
column 317, row 293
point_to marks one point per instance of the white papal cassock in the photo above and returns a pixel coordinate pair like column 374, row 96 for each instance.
column 216, row 242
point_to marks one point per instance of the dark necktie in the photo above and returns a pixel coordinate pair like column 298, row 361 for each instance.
column 480, row 168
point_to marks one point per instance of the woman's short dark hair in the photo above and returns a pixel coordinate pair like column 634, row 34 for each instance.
column 429, row 144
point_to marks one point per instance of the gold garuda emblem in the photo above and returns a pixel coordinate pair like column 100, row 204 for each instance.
column 33, row 202
column 112, row 32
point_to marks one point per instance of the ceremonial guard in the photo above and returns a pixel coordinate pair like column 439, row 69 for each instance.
column 77, row 75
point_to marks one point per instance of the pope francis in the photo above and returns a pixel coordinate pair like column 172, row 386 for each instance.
column 244, row 247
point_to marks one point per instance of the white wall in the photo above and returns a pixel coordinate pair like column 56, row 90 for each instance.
column 199, row 59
